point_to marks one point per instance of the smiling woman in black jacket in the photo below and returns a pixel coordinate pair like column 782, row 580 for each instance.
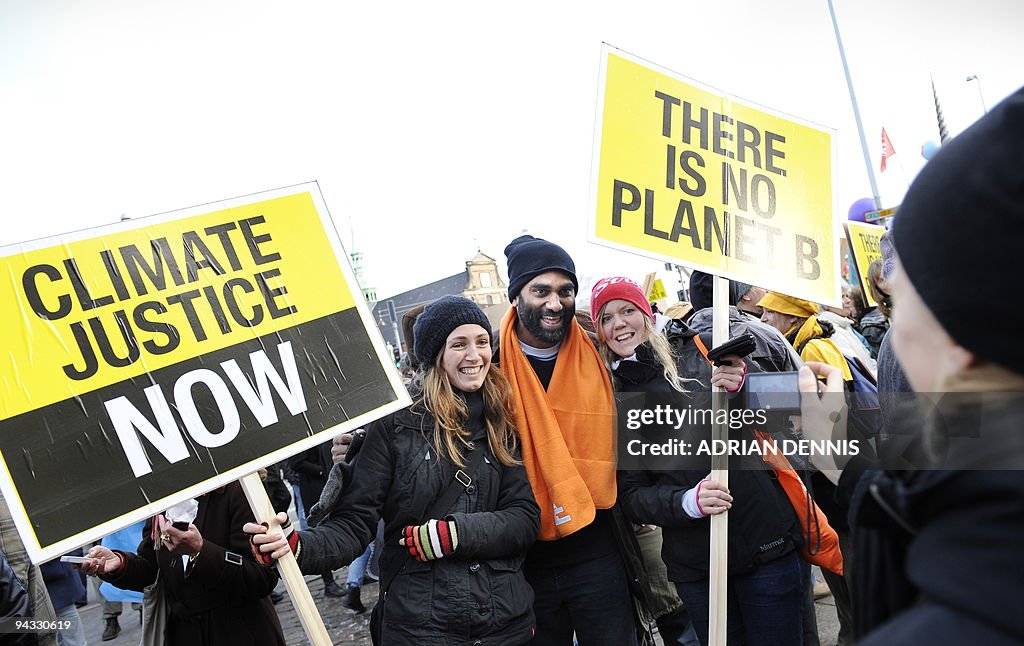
column 459, row 576
column 659, row 358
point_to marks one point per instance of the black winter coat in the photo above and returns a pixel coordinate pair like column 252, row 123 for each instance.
column 873, row 327
column 222, row 600
column 63, row 583
column 476, row 596
column 14, row 603
column 312, row 466
column 938, row 557
column 762, row 524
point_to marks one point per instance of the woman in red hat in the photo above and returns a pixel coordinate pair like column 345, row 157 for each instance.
column 649, row 353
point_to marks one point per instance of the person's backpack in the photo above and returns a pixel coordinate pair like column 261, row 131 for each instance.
column 864, row 418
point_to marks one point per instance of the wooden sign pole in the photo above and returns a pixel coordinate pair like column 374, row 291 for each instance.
column 298, row 591
column 718, row 571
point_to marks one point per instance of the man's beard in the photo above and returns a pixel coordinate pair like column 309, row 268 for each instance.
column 530, row 318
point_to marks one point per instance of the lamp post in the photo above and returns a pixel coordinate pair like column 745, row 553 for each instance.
column 974, row 77
column 856, row 112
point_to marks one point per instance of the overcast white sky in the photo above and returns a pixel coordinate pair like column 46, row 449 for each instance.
column 433, row 128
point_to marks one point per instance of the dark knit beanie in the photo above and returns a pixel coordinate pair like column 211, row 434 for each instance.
column 702, row 287
column 437, row 321
column 529, row 257
column 965, row 211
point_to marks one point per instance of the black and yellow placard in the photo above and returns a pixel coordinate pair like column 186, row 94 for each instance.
column 687, row 174
column 866, row 244
column 147, row 362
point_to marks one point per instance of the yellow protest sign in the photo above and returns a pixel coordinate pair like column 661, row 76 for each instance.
column 657, row 291
column 689, row 175
column 100, row 310
column 152, row 360
column 866, row 244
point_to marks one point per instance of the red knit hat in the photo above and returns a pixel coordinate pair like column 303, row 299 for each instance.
column 613, row 287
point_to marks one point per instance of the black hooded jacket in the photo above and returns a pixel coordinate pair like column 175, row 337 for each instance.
column 476, row 596
column 762, row 527
column 939, row 557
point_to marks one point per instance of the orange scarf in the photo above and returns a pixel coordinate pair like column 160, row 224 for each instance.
column 567, row 432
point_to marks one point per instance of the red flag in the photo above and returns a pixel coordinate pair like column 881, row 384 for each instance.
column 887, row 149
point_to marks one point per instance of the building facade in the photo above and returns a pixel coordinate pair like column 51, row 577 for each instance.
column 480, row 282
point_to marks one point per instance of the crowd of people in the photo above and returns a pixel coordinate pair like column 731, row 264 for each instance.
column 503, row 516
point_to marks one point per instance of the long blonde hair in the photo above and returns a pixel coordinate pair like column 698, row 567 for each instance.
column 664, row 357
column 450, row 435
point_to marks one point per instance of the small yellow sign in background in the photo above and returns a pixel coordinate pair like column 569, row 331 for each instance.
column 866, row 243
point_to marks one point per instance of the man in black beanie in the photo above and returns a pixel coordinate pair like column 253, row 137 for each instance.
column 562, row 392
column 546, row 270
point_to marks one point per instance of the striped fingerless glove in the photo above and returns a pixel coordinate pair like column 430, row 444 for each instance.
column 435, row 539
column 293, row 542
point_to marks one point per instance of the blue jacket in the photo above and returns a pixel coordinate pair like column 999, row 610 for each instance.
column 63, row 583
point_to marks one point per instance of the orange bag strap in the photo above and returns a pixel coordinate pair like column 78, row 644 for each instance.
column 703, row 348
column 821, row 543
